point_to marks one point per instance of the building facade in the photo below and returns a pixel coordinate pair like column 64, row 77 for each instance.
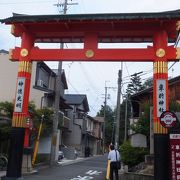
column 145, row 97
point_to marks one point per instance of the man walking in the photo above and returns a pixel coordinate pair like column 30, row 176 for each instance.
column 113, row 156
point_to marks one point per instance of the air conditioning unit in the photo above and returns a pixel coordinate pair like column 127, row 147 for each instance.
column 40, row 83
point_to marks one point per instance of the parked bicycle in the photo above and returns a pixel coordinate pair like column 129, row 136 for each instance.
column 3, row 162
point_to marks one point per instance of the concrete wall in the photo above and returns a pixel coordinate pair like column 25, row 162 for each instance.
column 73, row 138
column 8, row 78
column 138, row 140
column 44, row 145
column 131, row 176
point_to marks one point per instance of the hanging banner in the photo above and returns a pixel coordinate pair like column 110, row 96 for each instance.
column 19, row 95
column 161, row 96
column 175, row 156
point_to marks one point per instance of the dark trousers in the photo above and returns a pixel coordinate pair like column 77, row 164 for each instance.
column 113, row 169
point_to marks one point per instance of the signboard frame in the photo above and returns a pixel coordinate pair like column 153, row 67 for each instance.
column 175, row 156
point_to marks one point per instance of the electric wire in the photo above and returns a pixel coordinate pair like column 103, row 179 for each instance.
column 91, row 84
column 175, row 45
column 78, row 93
column 28, row 2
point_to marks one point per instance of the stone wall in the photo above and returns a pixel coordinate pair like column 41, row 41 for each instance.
column 132, row 176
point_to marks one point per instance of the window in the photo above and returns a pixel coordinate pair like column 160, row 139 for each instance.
column 42, row 76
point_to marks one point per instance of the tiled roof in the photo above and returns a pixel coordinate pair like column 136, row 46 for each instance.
column 16, row 18
column 77, row 99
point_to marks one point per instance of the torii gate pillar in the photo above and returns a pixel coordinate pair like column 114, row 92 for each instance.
column 160, row 94
column 19, row 121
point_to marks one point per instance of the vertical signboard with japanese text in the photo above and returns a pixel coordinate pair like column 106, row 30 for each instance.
column 19, row 95
column 161, row 96
column 175, row 156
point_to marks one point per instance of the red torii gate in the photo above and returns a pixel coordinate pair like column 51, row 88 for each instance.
column 91, row 29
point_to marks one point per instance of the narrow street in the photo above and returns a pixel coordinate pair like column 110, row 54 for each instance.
column 90, row 168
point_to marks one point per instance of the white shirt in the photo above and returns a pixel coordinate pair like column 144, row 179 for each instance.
column 112, row 155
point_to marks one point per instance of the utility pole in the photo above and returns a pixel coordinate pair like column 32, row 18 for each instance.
column 105, row 103
column 125, row 124
column 113, row 128
column 57, row 97
column 118, row 108
column 105, row 107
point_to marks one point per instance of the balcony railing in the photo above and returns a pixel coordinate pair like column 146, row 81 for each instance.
column 64, row 122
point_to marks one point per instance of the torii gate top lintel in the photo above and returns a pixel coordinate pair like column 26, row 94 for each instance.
column 92, row 29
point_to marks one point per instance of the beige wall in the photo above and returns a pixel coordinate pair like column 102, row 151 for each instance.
column 8, row 74
column 8, row 78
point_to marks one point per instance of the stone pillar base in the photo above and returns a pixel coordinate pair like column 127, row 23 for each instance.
column 26, row 164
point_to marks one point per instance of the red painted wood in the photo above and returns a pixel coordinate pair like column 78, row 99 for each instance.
column 160, row 41
column 123, row 28
column 142, row 55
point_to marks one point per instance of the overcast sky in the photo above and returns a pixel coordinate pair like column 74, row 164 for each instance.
column 89, row 78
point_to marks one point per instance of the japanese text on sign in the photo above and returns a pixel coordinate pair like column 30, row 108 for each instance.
column 19, row 95
column 161, row 96
column 175, row 156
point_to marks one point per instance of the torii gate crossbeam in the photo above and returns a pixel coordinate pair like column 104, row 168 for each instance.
column 92, row 29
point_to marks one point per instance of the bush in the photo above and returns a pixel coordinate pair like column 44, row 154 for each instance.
column 47, row 122
column 132, row 156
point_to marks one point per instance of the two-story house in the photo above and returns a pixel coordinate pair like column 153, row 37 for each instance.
column 42, row 82
column 93, row 136
column 77, row 114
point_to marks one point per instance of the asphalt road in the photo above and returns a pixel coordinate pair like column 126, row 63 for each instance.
column 90, row 168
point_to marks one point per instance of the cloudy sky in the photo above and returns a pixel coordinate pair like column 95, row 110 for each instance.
column 89, row 78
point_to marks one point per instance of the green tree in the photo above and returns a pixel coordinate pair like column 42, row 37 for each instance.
column 135, row 84
column 142, row 126
column 6, row 112
column 6, row 109
column 133, row 87
column 109, row 121
column 148, row 83
column 174, row 106
column 47, row 122
column 122, row 119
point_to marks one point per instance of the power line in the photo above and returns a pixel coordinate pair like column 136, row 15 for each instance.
column 78, row 93
column 28, row 2
column 88, row 78
column 175, row 45
column 63, row 6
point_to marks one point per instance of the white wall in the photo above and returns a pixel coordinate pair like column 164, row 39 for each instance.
column 138, row 140
column 44, row 145
column 8, row 78
column 73, row 138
